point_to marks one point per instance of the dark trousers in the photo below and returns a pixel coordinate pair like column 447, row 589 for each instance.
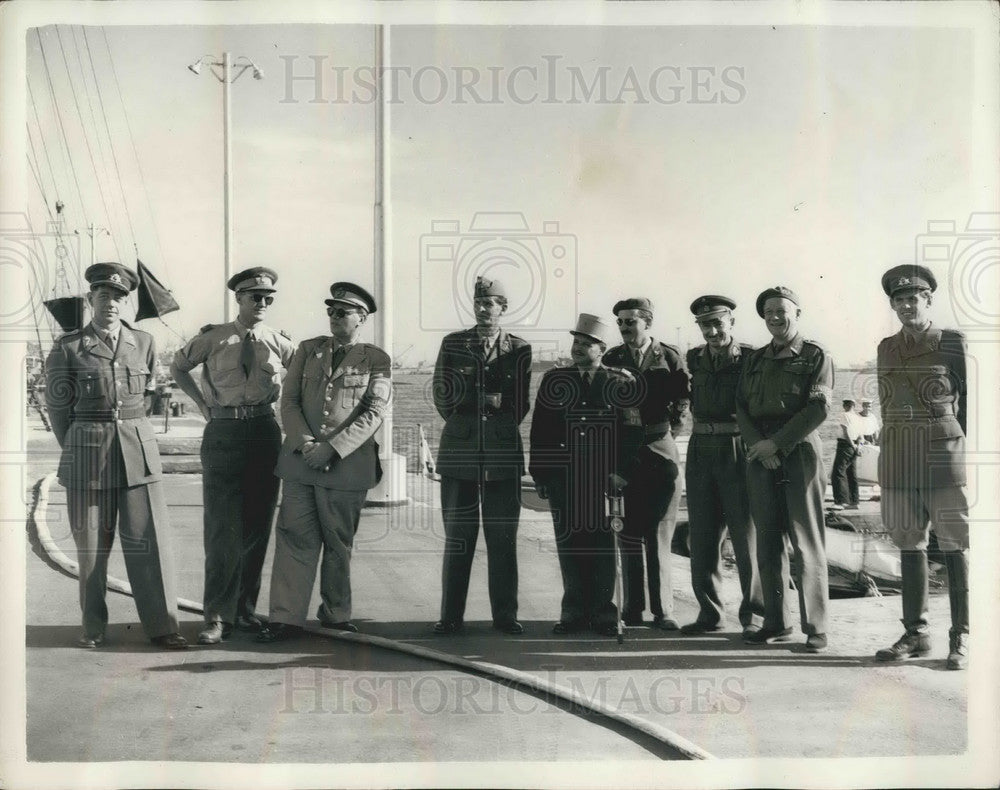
column 465, row 504
column 586, row 549
column 788, row 501
column 717, row 498
column 140, row 514
column 845, row 473
column 647, row 497
column 240, row 492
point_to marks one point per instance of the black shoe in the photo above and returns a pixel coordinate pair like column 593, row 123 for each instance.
column 632, row 619
column 907, row 646
column 697, row 628
column 248, row 622
column 90, row 640
column 276, row 632
column 170, row 642
column 345, row 625
column 606, row 629
column 214, row 632
column 443, row 627
column 508, row 627
column 958, row 651
column 767, row 635
column 665, row 623
column 567, row 627
column 816, row 643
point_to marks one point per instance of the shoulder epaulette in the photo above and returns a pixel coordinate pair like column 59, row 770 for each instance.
column 68, row 335
column 284, row 334
column 815, row 343
column 622, row 373
column 206, row 328
column 745, row 346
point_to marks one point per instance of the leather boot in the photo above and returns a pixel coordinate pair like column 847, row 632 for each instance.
column 914, row 589
column 957, row 563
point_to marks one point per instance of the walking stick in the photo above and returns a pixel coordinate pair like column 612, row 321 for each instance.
column 614, row 505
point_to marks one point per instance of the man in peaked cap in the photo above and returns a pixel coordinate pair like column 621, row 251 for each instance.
column 96, row 379
column 481, row 381
column 924, row 400
column 240, row 381
column 783, row 397
column 715, row 471
column 651, row 467
column 576, row 438
column 334, row 399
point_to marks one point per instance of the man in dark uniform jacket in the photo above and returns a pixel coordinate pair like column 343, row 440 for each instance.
column 241, row 377
column 652, row 470
column 923, row 394
column 481, row 381
column 96, row 379
column 783, row 398
column 576, row 436
column 715, row 471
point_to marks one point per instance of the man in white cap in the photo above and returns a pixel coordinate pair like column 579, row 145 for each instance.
column 576, row 441
column 241, row 378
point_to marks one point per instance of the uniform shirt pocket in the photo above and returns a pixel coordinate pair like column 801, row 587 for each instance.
column 138, row 375
column 92, row 385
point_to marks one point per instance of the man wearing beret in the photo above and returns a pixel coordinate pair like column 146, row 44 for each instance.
column 923, row 394
column 241, row 377
column 96, row 379
column 715, row 472
column 334, row 400
column 651, row 493
column 576, row 438
column 783, row 398
column 481, row 381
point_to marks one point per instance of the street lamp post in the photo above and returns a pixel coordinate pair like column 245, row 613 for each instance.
column 227, row 71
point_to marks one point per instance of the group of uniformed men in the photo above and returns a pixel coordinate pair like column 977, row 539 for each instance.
column 604, row 425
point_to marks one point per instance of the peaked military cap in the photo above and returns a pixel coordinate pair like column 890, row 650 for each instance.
column 592, row 326
column 711, row 306
column 777, row 291
column 113, row 274
column 354, row 295
column 259, row 278
column 635, row 303
column 908, row 276
column 487, row 287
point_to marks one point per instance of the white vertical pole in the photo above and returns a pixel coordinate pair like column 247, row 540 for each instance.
column 227, row 186
column 93, row 244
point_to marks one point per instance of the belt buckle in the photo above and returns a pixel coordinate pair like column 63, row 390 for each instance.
column 243, row 412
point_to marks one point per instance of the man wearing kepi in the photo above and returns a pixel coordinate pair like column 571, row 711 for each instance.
column 96, row 379
column 922, row 390
column 650, row 505
column 783, row 398
column 576, row 436
column 334, row 400
column 481, row 381
column 240, row 382
column 716, row 471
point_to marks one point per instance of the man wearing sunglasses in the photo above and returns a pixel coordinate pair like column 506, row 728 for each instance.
column 240, row 381
column 334, row 399
column 481, row 382
column 649, row 474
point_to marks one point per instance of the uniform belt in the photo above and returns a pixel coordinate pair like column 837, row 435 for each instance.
column 110, row 415
column 929, row 413
column 713, row 426
column 241, row 412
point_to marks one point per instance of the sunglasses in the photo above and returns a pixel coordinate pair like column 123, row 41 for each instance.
column 265, row 298
column 627, row 321
column 339, row 312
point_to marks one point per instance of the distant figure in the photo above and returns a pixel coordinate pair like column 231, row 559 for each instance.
column 924, row 399
column 783, row 398
column 715, row 472
column 481, row 382
column 96, row 378
column 576, row 444
column 870, row 425
column 334, row 399
column 845, row 461
column 652, row 493
column 241, row 378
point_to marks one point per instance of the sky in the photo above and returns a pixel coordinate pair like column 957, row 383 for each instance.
column 711, row 159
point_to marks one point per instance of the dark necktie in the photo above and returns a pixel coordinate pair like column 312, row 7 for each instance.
column 586, row 381
column 247, row 354
column 338, row 357
column 637, row 356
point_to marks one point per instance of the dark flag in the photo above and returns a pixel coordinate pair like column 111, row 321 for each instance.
column 68, row 312
column 155, row 301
